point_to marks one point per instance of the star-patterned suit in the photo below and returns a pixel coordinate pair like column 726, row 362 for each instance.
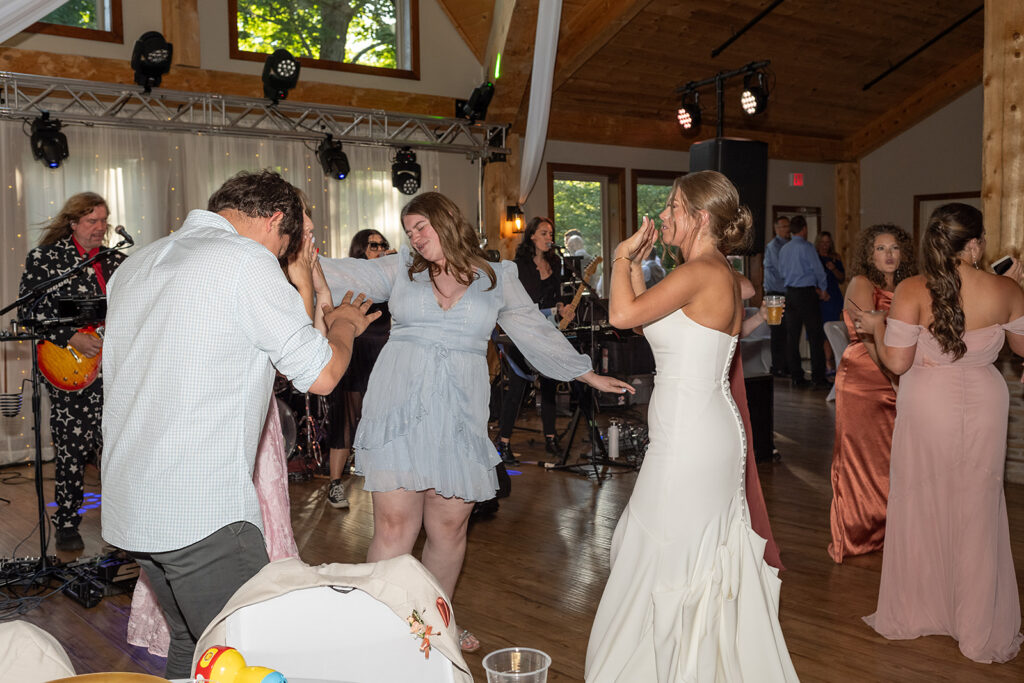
column 74, row 415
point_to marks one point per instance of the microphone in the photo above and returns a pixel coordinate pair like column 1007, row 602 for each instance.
column 560, row 249
column 124, row 235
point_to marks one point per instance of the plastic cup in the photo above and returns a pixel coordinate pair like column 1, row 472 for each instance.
column 775, row 305
column 517, row 665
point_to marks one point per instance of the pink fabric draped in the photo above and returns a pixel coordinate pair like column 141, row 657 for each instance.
column 755, row 496
column 146, row 625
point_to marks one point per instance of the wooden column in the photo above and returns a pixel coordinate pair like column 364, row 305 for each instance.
column 181, row 29
column 847, row 209
column 1002, row 184
column 501, row 189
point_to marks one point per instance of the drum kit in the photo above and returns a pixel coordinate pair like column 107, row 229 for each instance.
column 304, row 421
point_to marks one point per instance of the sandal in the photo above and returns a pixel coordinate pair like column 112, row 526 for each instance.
column 468, row 642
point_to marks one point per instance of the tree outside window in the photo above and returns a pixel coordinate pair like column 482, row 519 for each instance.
column 363, row 35
column 91, row 14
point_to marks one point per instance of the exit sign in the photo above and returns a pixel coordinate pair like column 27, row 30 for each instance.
column 796, row 179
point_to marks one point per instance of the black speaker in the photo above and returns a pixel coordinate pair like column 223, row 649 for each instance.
column 745, row 163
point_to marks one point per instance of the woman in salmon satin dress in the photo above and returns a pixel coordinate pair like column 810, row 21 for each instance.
column 947, row 567
column 865, row 399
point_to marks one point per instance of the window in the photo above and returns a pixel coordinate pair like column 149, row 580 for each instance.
column 88, row 19
column 377, row 37
column 650, row 195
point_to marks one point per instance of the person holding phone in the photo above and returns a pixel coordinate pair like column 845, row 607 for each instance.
column 865, row 398
column 947, row 567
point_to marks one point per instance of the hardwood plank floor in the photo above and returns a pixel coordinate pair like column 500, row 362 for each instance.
column 534, row 572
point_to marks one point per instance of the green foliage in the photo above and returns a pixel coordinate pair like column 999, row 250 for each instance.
column 80, row 13
column 350, row 31
column 651, row 201
column 578, row 205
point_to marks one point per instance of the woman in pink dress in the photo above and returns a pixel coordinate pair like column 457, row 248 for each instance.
column 865, row 399
column 947, row 567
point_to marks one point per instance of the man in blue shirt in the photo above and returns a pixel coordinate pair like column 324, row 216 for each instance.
column 806, row 284
column 773, row 284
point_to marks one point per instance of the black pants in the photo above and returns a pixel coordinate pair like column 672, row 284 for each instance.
column 75, row 427
column 804, row 311
column 512, row 398
column 780, row 361
column 193, row 584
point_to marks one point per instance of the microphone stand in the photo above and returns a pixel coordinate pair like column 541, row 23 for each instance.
column 32, row 570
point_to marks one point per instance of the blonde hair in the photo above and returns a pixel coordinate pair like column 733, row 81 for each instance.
column 730, row 223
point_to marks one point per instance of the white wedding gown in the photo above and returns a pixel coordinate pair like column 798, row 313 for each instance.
column 689, row 596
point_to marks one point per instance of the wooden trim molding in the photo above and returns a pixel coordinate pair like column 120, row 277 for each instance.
column 412, row 73
column 114, row 35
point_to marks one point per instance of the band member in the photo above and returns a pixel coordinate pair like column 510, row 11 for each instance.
column 76, row 233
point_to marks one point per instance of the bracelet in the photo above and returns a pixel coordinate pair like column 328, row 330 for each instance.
column 617, row 258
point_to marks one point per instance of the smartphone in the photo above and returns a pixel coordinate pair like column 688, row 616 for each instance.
column 1002, row 265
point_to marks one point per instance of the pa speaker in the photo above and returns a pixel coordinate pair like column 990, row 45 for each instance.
column 745, row 163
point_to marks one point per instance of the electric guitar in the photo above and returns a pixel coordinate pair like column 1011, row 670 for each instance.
column 587, row 274
column 67, row 368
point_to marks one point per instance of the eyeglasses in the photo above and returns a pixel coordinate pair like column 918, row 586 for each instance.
column 377, row 246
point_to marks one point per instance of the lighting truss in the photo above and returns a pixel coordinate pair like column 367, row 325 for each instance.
column 25, row 96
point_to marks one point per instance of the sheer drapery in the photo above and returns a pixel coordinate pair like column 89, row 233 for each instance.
column 151, row 181
column 17, row 15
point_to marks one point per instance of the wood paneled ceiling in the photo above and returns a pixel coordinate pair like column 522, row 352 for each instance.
column 620, row 62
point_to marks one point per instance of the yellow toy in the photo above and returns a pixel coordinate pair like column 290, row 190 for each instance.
column 222, row 664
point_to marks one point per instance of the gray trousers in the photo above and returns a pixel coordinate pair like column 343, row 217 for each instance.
column 194, row 583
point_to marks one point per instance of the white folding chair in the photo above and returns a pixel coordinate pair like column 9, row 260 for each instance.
column 835, row 332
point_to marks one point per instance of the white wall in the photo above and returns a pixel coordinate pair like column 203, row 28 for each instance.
column 942, row 154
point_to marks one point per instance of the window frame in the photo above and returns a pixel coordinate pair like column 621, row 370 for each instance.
column 114, row 35
column 637, row 176
column 413, row 73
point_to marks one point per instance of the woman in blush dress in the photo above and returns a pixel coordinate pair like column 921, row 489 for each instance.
column 947, row 568
column 865, row 399
column 689, row 596
column 422, row 443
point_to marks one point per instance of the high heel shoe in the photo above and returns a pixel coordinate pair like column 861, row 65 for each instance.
column 505, row 452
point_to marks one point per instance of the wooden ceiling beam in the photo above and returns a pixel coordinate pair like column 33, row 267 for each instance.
column 221, row 82
column 589, row 30
column 930, row 98
column 597, row 127
column 516, row 50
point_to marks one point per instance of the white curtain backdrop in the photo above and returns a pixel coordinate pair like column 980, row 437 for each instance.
column 549, row 15
column 17, row 15
column 151, row 181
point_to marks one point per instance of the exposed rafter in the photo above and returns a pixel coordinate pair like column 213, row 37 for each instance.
column 590, row 29
column 107, row 104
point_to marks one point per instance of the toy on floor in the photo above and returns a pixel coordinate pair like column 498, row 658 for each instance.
column 222, row 664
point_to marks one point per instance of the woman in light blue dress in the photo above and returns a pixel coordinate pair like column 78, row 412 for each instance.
column 422, row 444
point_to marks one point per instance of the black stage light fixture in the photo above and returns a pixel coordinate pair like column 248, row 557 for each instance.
column 280, row 74
column 754, row 98
column 333, row 160
column 688, row 115
column 49, row 145
column 151, row 59
column 405, row 172
column 475, row 108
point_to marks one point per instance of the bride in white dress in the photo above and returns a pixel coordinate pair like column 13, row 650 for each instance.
column 689, row 597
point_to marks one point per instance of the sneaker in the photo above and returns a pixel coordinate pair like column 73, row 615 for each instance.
column 336, row 494
column 68, row 539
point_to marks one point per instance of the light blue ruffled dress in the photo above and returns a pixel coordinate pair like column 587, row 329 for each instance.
column 424, row 422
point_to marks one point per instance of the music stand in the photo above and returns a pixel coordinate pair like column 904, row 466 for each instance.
column 38, row 570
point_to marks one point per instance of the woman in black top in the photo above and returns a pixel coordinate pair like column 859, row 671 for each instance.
column 540, row 271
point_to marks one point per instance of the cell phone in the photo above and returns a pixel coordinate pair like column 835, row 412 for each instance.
column 1002, row 265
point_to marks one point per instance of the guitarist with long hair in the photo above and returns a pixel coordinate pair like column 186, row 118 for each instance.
column 75, row 233
column 540, row 271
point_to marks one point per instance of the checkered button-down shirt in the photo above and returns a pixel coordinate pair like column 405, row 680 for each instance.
column 196, row 323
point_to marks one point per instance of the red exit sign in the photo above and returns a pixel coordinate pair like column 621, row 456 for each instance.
column 796, row 179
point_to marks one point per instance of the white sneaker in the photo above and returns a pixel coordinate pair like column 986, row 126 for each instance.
column 336, row 494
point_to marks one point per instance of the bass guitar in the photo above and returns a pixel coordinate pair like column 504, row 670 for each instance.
column 587, row 274
column 67, row 368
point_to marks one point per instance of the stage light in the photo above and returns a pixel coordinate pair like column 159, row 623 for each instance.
column 151, row 59
column 475, row 108
column 280, row 74
column 405, row 172
column 688, row 115
column 49, row 145
column 754, row 99
column 333, row 160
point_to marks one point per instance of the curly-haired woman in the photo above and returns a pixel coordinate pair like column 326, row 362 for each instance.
column 947, row 566
column 865, row 399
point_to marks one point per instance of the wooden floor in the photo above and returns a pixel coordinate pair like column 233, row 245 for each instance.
column 534, row 572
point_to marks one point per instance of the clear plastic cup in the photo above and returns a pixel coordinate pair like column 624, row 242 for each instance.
column 517, row 665
column 775, row 304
